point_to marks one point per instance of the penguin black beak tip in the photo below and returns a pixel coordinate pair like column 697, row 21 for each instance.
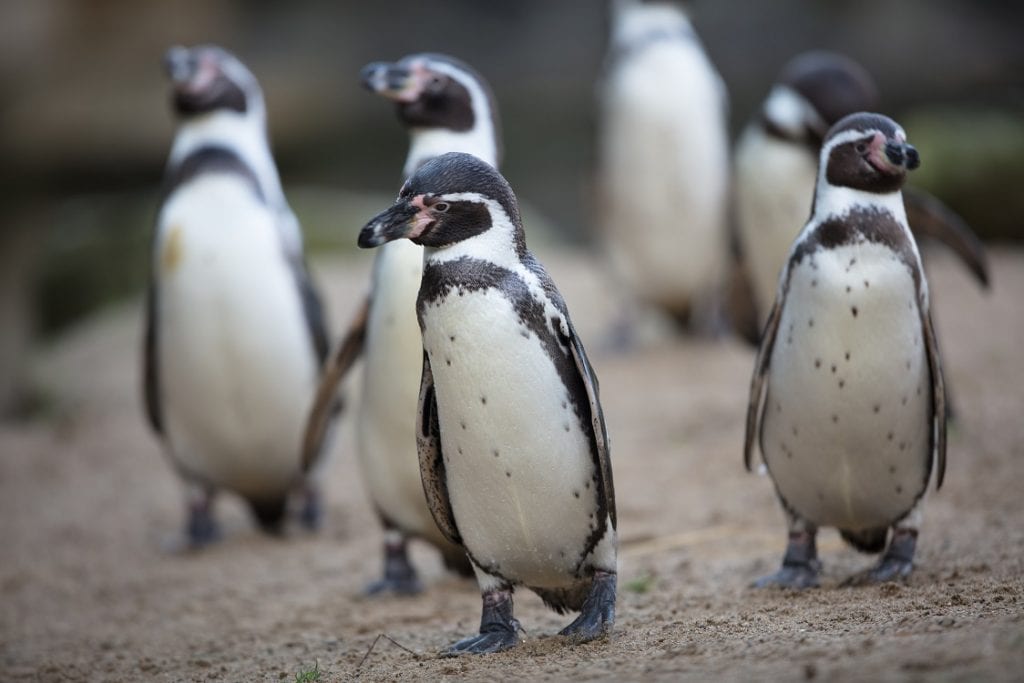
column 372, row 76
column 913, row 158
column 177, row 63
column 370, row 237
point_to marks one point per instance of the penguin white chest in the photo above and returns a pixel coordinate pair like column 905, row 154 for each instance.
column 386, row 429
column 847, row 417
column 235, row 359
column 520, row 474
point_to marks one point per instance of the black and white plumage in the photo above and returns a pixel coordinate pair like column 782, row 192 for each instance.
column 777, row 164
column 235, row 335
column 663, row 176
column 446, row 106
column 511, row 438
column 847, row 397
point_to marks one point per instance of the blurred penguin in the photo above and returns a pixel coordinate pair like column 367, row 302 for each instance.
column 445, row 106
column 664, row 163
column 235, row 336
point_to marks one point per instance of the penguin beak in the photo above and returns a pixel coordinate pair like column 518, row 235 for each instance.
column 392, row 81
column 406, row 219
column 180, row 65
column 902, row 154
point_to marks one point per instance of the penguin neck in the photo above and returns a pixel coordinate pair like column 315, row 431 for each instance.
column 427, row 143
column 244, row 134
column 835, row 202
column 503, row 244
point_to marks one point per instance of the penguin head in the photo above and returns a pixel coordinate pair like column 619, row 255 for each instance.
column 867, row 152
column 449, row 199
column 433, row 91
column 814, row 90
column 207, row 78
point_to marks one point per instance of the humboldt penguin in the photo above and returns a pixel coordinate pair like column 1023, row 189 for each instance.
column 235, row 336
column 445, row 106
column 847, row 397
column 512, row 444
column 663, row 173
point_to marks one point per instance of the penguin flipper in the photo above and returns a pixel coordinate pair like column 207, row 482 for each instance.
column 151, row 377
column 757, row 384
column 929, row 217
column 938, row 416
column 602, row 455
column 428, row 446
column 325, row 404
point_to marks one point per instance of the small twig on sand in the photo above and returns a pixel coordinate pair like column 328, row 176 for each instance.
column 374, row 644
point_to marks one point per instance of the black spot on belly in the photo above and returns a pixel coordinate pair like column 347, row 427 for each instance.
column 796, row 432
column 508, row 474
column 853, row 309
column 483, row 400
column 814, row 282
column 789, row 340
column 889, row 436
column 866, row 284
column 566, row 426
column 918, row 391
column 842, row 383
column 849, row 289
column 495, row 451
column 847, row 355
column 903, row 401
column 565, row 405
column 463, row 423
column 877, row 408
column 821, row 496
column 908, row 365
column 835, row 419
column 903, row 445
column 576, row 494
column 460, row 450
column 892, row 469
column 817, row 362
column 451, row 338
column 778, row 407
column 448, row 361
column 587, row 485
column 899, row 489
column 525, row 334
column 833, row 368
column 810, row 322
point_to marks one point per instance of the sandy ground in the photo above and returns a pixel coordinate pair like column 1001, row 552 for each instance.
column 87, row 503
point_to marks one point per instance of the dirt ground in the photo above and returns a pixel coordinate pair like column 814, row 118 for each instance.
column 88, row 590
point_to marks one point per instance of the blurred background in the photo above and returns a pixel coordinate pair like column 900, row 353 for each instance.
column 85, row 124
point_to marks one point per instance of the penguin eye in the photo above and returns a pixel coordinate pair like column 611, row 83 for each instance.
column 861, row 147
column 435, row 83
column 441, row 207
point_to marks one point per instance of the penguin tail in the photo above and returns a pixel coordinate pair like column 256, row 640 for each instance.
column 270, row 513
column 564, row 600
column 866, row 540
column 456, row 560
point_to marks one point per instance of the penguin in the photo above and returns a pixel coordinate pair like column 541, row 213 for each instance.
column 847, row 398
column 776, row 166
column 663, row 171
column 445, row 105
column 235, row 334
column 513, row 450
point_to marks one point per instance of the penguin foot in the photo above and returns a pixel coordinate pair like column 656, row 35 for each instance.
column 598, row 613
column 800, row 565
column 798, row 577
column 270, row 513
column 201, row 529
column 498, row 628
column 897, row 563
column 311, row 514
column 399, row 575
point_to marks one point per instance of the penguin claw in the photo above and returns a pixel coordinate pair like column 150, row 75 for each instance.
column 598, row 614
column 202, row 530
column 798, row 577
column 494, row 640
column 311, row 514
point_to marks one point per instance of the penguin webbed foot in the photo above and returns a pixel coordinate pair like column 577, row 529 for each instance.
column 896, row 564
column 400, row 576
column 499, row 630
column 311, row 513
column 598, row 613
column 201, row 528
column 800, row 565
